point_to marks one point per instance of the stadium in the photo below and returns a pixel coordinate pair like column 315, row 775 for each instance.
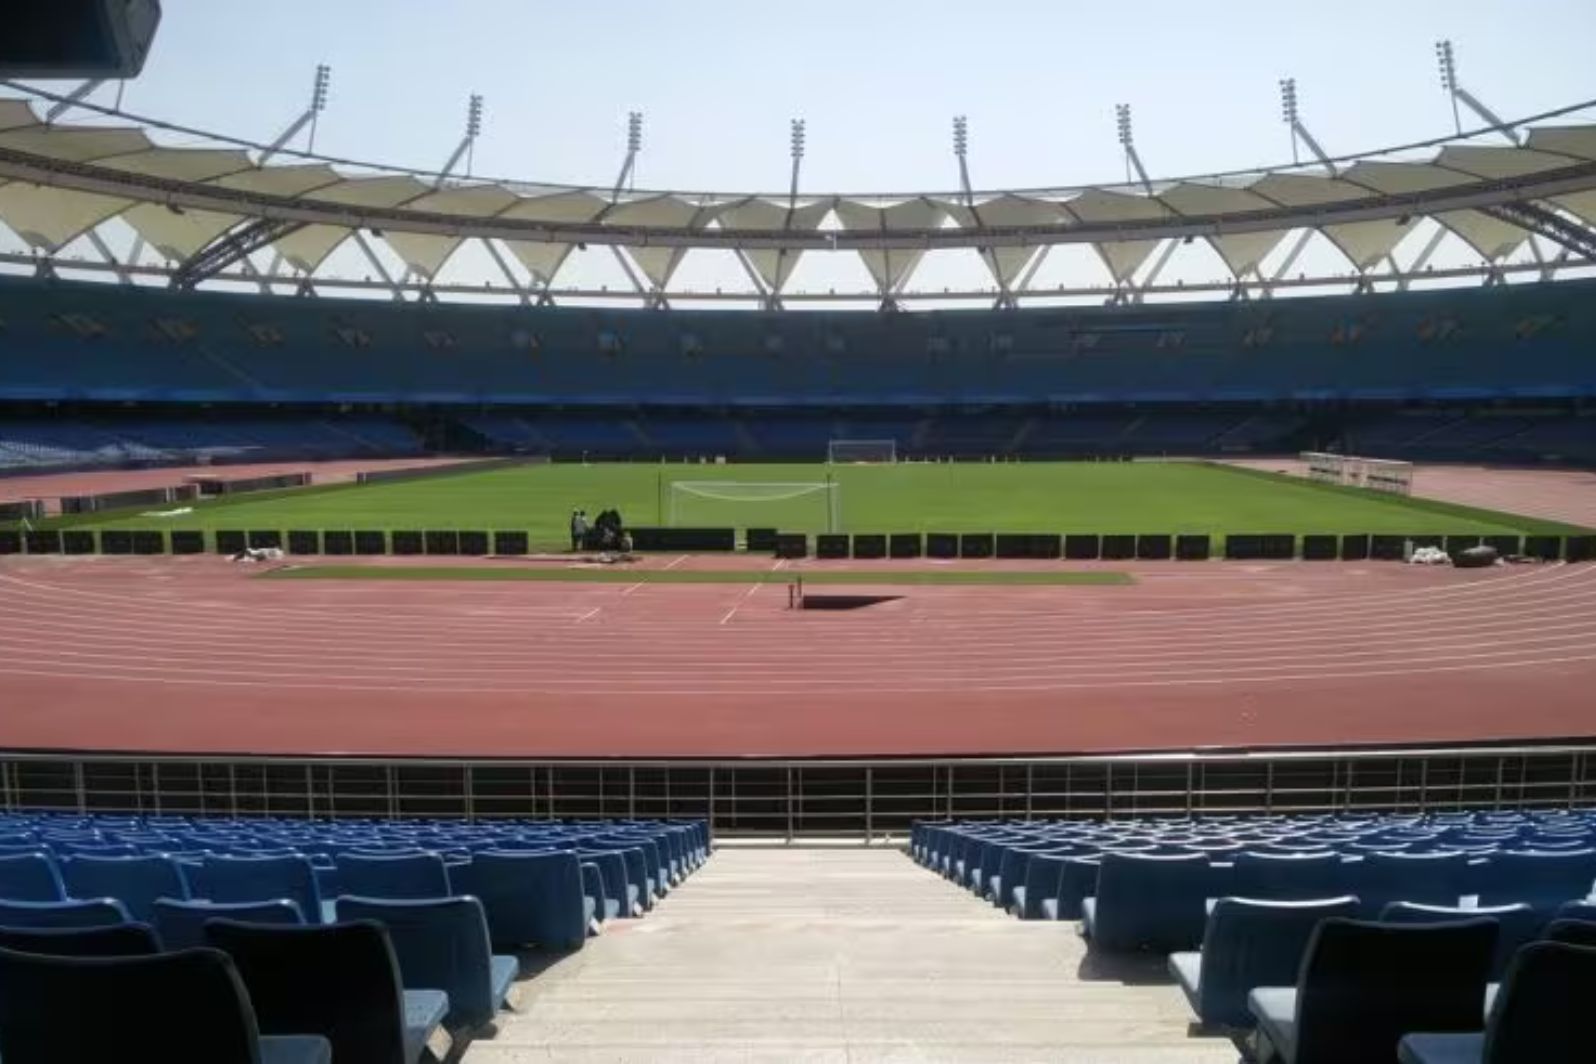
column 555, row 596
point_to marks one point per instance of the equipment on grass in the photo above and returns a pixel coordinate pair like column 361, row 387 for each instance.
column 1376, row 474
column 755, row 504
column 861, row 451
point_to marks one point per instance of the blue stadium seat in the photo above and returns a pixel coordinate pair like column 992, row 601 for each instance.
column 1542, row 1014
column 1151, row 902
column 1428, row 878
column 1571, row 932
column 134, row 881
column 1544, row 880
column 1363, row 985
column 442, row 943
column 1515, row 924
column 30, row 877
column 530, row 897
column 181, row 924
column 111, row 940
column 1076, row 882
column 611, row 871
column 1286, row 876
column 179, row 1008
column 78, row 912
column 1249, row 942
column 261, row 879
column 340, row 981
column 414, row 875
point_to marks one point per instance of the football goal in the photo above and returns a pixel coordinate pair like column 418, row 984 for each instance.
column 1376, row 474
column 791, row 506
column 841, row 451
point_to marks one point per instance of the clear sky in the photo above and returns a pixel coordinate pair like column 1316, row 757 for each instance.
column 877, row 82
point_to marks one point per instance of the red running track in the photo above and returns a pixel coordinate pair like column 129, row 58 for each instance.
column 195, row 655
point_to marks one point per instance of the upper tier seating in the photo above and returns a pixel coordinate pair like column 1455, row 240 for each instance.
column 113, row 343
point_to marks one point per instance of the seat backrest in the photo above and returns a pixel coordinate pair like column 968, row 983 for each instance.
column 87, row 912
column 181, row 923
column 340, row 981
column 55, row 1009
column 1571, row 932
column 134, row 881
column 1542, row 1011
column 1286, row 877
column 1427, row 878
column 112, row 940
column 1365, row 984
column 261, row 879
column 1152, row 901
column 1515, row 924
column 413, row 875
column 1537, row 877
column 441, row 944
column 30, row 877
column 529, row 897
column 1253, row 942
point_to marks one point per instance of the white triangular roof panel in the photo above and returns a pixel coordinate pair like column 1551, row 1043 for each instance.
column 75, row 145
column 1400, row 178
column 177, row 236
column 1366, row 243
column 542, row 261
column 1491, row 238
column 423, row 252
column 49, row 218
column 187, row 164
column 1489, row 161
column 1578, row 141
column 1305, row 190
column 774, row 265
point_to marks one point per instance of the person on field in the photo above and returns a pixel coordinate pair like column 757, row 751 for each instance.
column 577, row 528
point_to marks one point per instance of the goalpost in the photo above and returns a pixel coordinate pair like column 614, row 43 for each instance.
column 1376, row 474
column 840, row 451
column 792, row 506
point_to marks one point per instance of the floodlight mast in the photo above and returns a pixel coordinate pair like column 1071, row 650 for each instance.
column 796, row 136
column 1291, row 115
column 1127, row 140
column 1446, row 59
column 468, row 144
column 634, row 144
column 309, row 117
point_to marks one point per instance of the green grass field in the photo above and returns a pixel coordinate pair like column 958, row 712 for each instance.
column 1141, row 497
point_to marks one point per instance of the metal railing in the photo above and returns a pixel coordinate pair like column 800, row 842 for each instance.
column 792, row 799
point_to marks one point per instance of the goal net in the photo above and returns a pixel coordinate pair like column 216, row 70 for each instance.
column 843, row 451
column 791, row 506
column 1376, row 474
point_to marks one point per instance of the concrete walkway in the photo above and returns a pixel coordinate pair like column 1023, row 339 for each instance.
column 842, row 956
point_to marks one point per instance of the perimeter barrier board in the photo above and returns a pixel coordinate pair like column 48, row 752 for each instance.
column 338, row 542
column 407, row 542
column 231, row 541
column 1047, row 545
column 941, row 545
column 1387, row 548
column 1278, row 546
column 759, row 540
column 1318, row 548
column 510, row 543
column 976, row 545
column 869, row 545
column 1083, row 547
column 441, row 541
column 116, row 541
column 266, row 539
column 1241, row 546
column 22, row 510
column 792, row 545
column 1546, row 548
column 188, row 541
column 371, row 542
column 149, row 541
column 905, row 545
column 473, row 543
column 1505, row 545
column 77, row 541
column 831, row 545
column 1355, row 547
column 1456, row 545
column 42, row 541
column 1119, row 548
column 1579, row 549
column 1012, row 545
column 1155, row 548
column 10, row 541
column 301, row 541
column 684, row 540
column 1193, row 548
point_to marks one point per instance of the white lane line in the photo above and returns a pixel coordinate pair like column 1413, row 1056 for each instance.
column 631, row 589
column 746, row 595
column 677, row 562
column 588, row 614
